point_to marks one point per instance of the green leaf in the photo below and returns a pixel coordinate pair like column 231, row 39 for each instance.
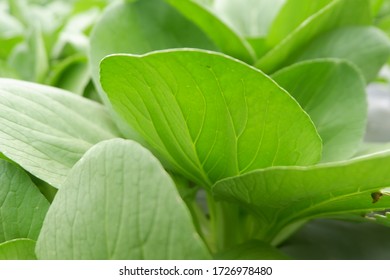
column 119, row 203
column 71, row 74
column 252, row 250
column 18, row 249
column 208, row 115
column 46, row 130
column 337, row 14
column 22, row 206
column 367, row 47
column 376, row 6
column 382, row 19
column 251, row 18
column 11, row 33
column 324, row 88
column 119, row 31
column 30, row 59
column 339, row 240
column 229, row 40
column 291, row 16
column 283, row 197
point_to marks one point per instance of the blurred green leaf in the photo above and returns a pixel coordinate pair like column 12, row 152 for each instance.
column 71, row 74
column 339, row 240
column 29, row 59
column 324, row 88
column 225, row 37
column 337, row 14
column 369, row 44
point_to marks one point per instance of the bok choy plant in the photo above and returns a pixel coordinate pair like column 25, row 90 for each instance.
column 193, row 129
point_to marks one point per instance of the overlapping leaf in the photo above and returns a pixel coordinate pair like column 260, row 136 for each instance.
column 209, row 116
column 292, row 14
column 46, row 130
column 229, row 40
column 119, row 203
column 367, row 47
column 324, row 89
column 281, row 197
column 336, row 14
column 119, row 31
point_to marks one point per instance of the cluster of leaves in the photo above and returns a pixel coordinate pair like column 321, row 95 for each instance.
column 259, row 105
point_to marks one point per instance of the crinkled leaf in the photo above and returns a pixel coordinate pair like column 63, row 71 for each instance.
column 282, row 197
column 229, row 40
column 46, row 130
column 367, row 47
column 208, row 115
column 119, row 203
column 22, row 206
column 18, row 249
column 324, row 88
column 337, row 14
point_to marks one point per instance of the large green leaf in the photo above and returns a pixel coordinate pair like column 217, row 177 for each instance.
column 367, row 47
column 324, row 88
column 119, row 203
column 337, row 14
column 225, row 36
column 22, row 206
column 18, row 249
column 46, row 130
column 283, row 197
column 208, row 115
